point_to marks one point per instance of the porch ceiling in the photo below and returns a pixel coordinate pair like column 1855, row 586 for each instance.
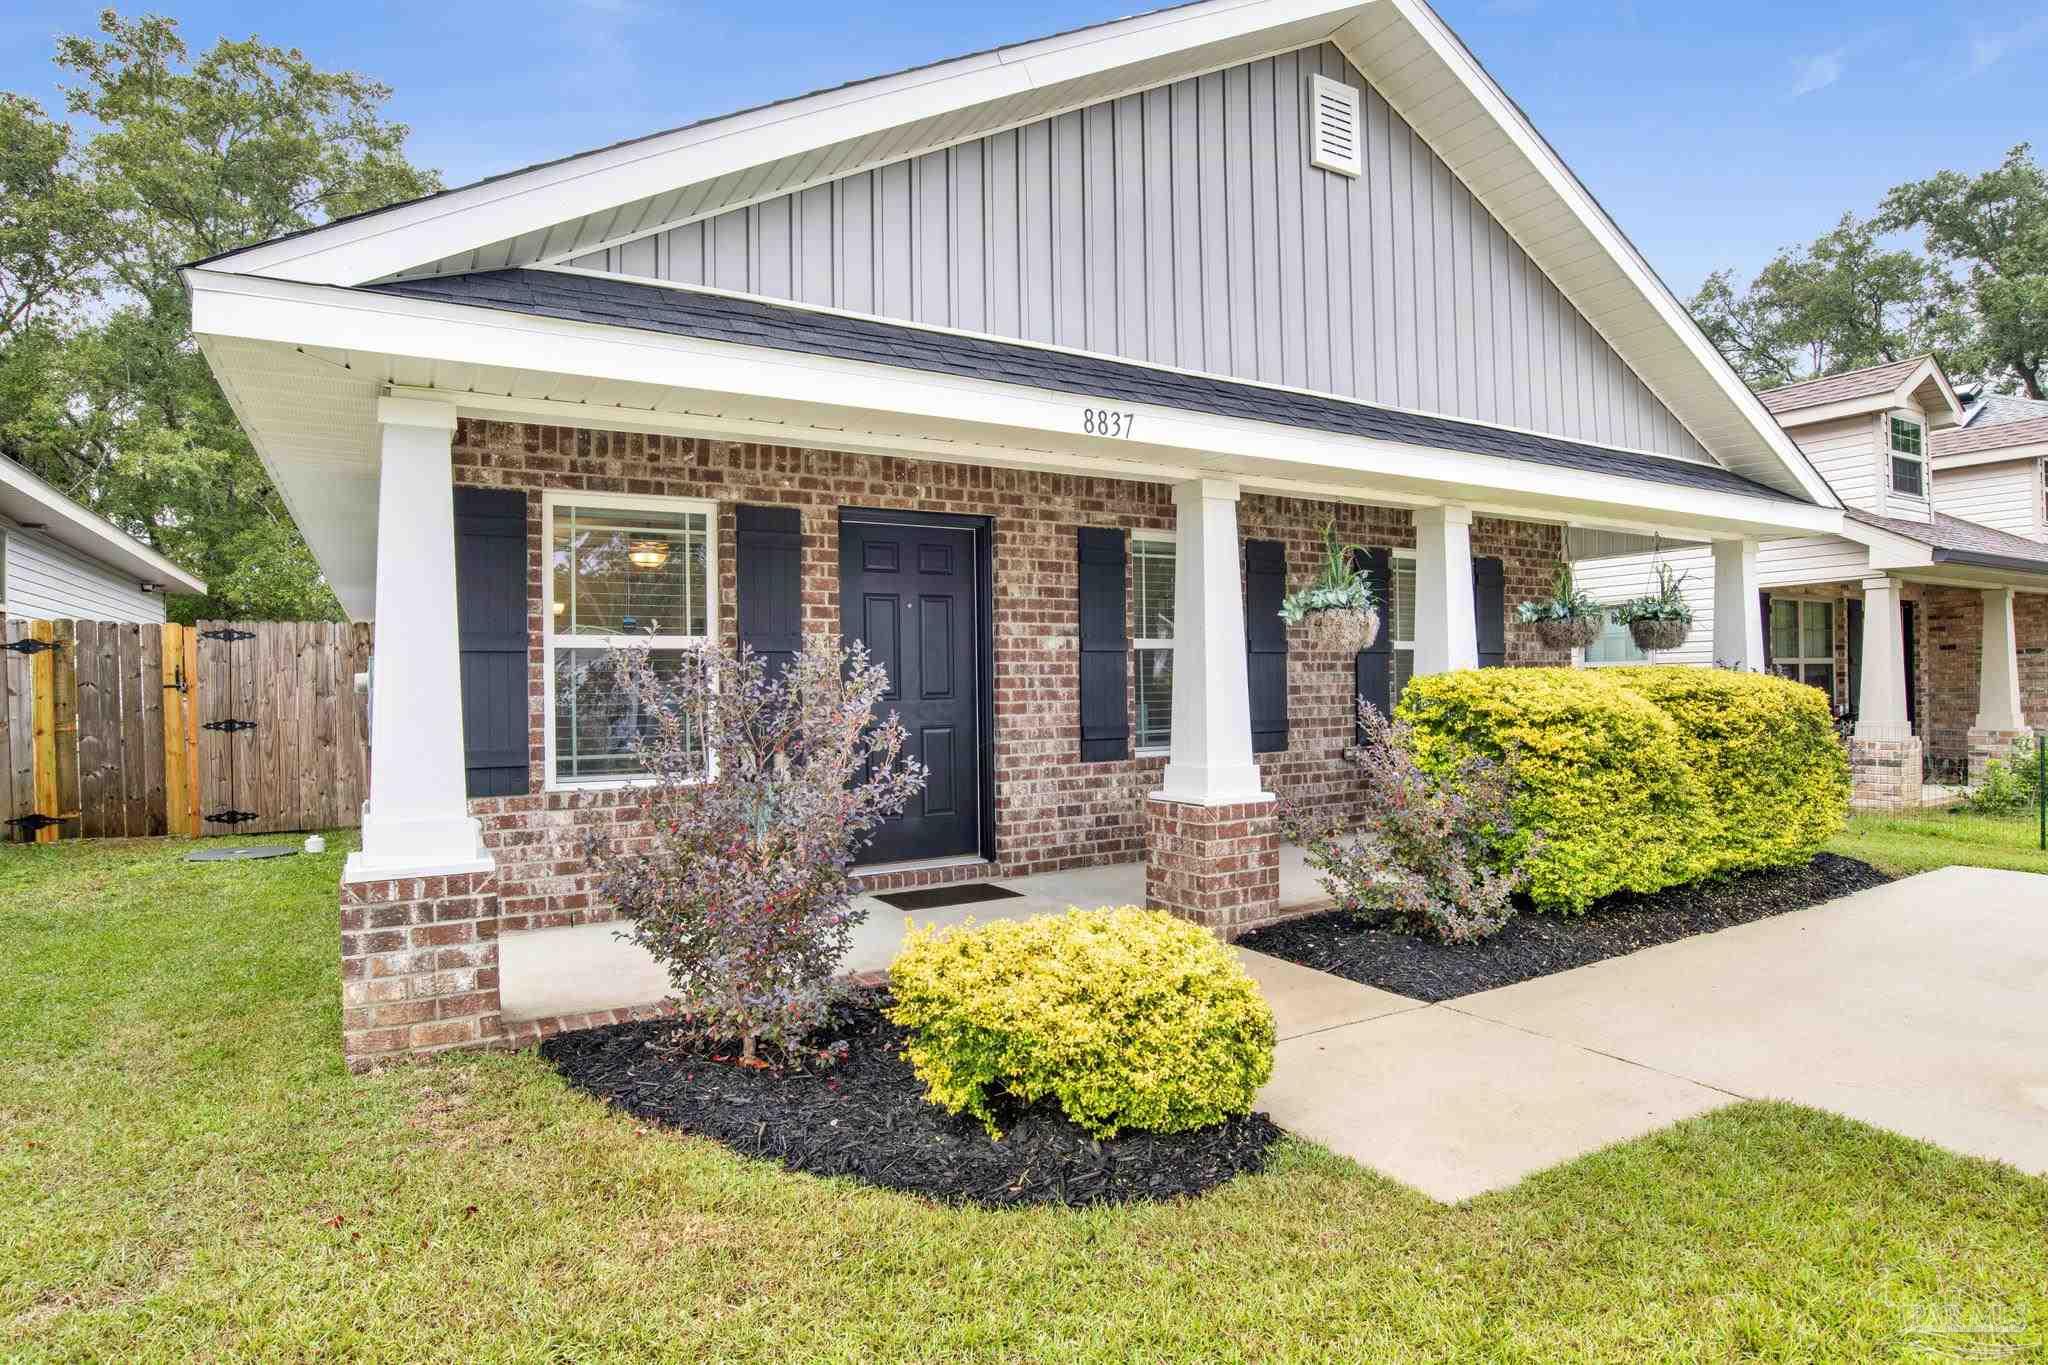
column 304, row 365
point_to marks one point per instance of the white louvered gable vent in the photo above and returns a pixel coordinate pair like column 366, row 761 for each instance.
column 1333, row 126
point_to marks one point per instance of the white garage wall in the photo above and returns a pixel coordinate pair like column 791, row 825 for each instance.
column 43, row 580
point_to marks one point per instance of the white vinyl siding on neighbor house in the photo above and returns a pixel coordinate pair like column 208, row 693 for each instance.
column 2008, row 496
column 1614, row 581
column 1185, row 226
column 41, row 579
column 623, row 572
column 1846, row 454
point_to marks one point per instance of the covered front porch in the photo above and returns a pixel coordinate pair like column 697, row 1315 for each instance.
column 446, row 461
column 552, row 975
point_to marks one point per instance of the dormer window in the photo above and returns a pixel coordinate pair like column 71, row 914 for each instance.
column 1909, row 458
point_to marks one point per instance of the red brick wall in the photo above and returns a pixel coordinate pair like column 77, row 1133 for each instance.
column 2030, row 618
column 1051, row 810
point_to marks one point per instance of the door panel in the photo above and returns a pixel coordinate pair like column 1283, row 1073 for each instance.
column 910, row 594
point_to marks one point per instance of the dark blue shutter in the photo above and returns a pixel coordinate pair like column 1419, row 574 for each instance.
column 1105, row 649
column 490, row 621
column 1374, row 669
column 1490, row 611
column 1265, row 638
column 768, row 577
column 1764, row 603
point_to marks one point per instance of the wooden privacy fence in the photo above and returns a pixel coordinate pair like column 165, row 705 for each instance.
column 110, row 729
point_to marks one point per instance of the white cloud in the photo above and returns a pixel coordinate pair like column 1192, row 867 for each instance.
column 1988, row 49
column 1819, row 73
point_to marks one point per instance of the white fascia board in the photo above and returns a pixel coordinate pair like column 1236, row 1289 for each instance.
column 27, row 499
column 800, row 389
column 1590, row 218
column 1887, row 549
column 377, row 245
column 2034, row 450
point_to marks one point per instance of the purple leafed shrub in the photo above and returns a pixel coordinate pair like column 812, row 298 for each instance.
column 762, row 792
column 1423, row 853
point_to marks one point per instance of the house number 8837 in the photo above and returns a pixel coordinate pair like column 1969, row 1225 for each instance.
column 1107, row 422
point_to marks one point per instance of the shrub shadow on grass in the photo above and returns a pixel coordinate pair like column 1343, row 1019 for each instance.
column 1534, row 945
column 868, row 1118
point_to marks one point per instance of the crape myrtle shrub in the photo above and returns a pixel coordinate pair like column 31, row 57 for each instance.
column 1425, row 852
column 1637, row 779
column 763, row 789
column 1128, row 1018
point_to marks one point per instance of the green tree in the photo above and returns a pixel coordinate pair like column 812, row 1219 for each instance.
column 1842, row 302
column 187, row 158
column 1992, row 231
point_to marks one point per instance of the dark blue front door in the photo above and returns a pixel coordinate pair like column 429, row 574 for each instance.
column 909, row 593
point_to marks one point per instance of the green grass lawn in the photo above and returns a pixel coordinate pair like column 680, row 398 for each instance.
column 186, row 1172
column 1905, row 844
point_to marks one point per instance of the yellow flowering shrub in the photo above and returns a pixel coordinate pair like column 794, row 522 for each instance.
column 1641, row 778
column 1765, row 750
column 1129, row 1018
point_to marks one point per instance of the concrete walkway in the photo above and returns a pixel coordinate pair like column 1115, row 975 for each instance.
column 1921, row 1007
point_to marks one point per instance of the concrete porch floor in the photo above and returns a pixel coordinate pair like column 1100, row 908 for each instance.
column 549, row 972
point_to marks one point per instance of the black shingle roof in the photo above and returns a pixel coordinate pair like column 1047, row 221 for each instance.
column 622, row 302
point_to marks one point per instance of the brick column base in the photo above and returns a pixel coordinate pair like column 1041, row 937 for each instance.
column 1216, row 865
column 419, row 966
column 1884, row 774
column 1986, row 745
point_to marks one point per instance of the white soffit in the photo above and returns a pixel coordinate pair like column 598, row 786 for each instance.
column 556, row 211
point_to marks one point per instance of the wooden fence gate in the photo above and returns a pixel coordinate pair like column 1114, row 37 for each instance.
column 110, row 729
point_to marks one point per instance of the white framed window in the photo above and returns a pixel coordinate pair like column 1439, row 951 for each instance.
column 1398, row 619
column 1615, row 646
column 1907, row 443
column 1153, row 559
column 1803, row 642
column 622, row 571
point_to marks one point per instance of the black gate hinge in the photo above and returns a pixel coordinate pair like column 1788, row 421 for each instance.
column 227, row 633
column 229, row 726
column 232, row 817
column 30, row 647
column 37, row 821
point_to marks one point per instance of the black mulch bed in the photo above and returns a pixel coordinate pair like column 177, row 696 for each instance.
column 1536, row 945
column 868, row 1118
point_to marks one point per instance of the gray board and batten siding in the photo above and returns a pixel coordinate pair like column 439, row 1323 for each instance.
column 1185, row 226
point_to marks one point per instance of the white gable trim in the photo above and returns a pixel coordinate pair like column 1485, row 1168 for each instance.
column 27, row 500
column 1899, row 395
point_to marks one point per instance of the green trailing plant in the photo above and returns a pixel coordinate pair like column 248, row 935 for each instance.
column 1565, row 602
column 1666, row 604
column 1339, row 586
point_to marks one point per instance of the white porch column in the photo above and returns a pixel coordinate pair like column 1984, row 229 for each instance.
column 1211, row 758
column 1998, row 687
column 1881, row 709
column 1446, row 637
column 1739, row 623
column 417, row 821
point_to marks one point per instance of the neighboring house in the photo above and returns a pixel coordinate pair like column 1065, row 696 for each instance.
column 60, row 562
column 1041, row 371
column 1926, row 618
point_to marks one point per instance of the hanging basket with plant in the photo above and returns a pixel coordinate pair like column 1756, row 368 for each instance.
column 1338, row 608
column 1658, row 620
column 1567, row 618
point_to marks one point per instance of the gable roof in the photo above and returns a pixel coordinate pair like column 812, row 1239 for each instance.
column 1870, row 388
column 26, row 499
column 1956, row 541
column 552, row 212
column 716, row 316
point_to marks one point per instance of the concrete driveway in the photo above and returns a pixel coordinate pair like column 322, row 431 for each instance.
column 1921, row 1007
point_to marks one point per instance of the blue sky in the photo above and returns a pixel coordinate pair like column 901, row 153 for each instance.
column 1715, row 134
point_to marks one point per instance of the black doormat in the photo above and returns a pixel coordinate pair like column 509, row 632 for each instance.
column 868, row 1118
column 938, row 897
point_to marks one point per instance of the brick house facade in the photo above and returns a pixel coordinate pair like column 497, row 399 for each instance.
column 1052, row 811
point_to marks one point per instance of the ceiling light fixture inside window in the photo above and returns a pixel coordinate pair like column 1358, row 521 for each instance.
column 648, row 554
